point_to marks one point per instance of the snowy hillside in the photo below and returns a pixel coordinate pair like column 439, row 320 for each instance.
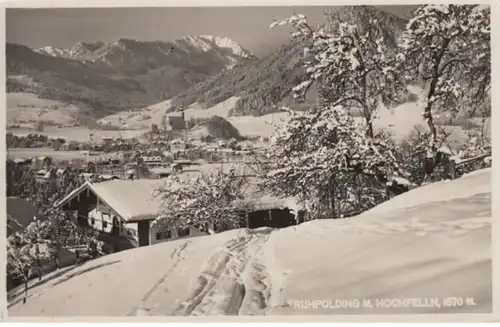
column 424, row 250
column 399, row 121
column 27, row 107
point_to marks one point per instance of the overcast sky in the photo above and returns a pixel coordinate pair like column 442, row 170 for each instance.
column 249, row 26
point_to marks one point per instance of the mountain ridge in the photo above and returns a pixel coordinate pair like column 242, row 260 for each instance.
column 95, row 50
column 132, row 73
column 267, row 85
column 204, row 69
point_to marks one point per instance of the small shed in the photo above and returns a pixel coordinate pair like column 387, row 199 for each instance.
column 261, row 208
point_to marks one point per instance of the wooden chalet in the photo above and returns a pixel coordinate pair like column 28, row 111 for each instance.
column 126, row 209
column 121, row 208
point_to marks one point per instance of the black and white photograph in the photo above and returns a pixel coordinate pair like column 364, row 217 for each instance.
column 255, row 161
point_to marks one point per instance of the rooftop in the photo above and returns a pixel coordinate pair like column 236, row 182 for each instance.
column 133, row 199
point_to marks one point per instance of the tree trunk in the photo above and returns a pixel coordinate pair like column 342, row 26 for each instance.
column 436, row 74
column 369, row 131
column 332, row 197
column 432, row 127
column 368, row 120
column 25, row 289
column 358, row 184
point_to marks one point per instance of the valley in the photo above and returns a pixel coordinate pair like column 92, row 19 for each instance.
column 341, row 167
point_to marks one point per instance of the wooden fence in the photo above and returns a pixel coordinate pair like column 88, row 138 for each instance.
column 467, row 163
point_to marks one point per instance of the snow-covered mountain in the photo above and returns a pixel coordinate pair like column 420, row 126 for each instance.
column 101, row 51
column 125, row 74
column 53, row 51
column 227, row 43
column 266, row 84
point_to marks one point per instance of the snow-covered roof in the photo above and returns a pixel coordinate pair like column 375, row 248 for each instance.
column 131, row 199
column 147, row 159
column 267, row 202
column 162, row 170
column 262, row 200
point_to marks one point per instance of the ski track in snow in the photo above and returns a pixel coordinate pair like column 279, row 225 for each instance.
column 234, row 280
column 177, row 256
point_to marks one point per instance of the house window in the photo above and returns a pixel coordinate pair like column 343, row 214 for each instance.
column 183, row 232
column 163, row 235
column 104, row 222
column 92, row 221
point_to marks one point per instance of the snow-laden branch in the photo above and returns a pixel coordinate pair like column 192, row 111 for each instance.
column 449, row 47
column 210, row 198
column 309, row 150
column 351, row 68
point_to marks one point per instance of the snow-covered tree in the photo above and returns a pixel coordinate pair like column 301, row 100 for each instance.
column 26, row 252
column 64, row 231
column 42, row 241
column 232, row 143
column 155, row 129
column 448, row 46
column 208, row 199
column 350, row 67
column 412, row 154
column 324, row 156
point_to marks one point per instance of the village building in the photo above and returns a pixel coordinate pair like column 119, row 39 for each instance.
column 127, row 209
column 41, row 162
column 175, row 121
column 153, row 161
column 106, row 141
column 177, row 146
column 260, row 209
column 20, row 162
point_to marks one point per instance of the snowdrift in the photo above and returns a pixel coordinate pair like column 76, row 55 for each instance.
column 409, row 255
